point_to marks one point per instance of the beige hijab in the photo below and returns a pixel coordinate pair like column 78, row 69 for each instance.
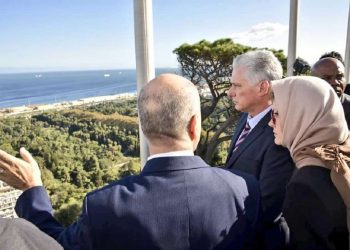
column 314, row 128
column 311, row 115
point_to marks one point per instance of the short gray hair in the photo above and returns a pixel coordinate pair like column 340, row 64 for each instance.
column 260, row 65
column 167, row 112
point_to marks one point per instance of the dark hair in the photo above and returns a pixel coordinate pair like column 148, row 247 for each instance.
column 300, row 66
column 333, row 54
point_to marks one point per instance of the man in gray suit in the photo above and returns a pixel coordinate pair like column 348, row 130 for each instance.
column 19, row 234
column 253, row 149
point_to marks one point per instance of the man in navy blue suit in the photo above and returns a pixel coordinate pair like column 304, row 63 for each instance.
column 177, row 202
column 252, row 148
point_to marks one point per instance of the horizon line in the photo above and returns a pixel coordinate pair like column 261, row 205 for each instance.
column 7, row 72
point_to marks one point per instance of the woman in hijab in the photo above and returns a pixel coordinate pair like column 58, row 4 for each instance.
column 308, row 119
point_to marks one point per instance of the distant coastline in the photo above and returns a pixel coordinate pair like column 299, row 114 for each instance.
column 64, row 105
column 42, row 88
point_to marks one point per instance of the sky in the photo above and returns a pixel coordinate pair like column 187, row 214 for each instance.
column 89, row 34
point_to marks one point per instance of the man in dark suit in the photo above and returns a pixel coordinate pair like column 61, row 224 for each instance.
column 177, row 202
column 23, row 235
column 252, row 148
column 332, row 71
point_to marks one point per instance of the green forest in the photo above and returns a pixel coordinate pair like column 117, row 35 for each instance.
column 77, row 149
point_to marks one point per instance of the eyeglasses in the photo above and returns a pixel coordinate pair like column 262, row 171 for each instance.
column 274, row 115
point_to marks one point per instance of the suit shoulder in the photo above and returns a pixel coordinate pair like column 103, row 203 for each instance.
column 237, row 177
column 124, row 183
column 248, row 178
column 228, row 173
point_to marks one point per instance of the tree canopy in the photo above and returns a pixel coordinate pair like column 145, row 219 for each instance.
column 77, row 149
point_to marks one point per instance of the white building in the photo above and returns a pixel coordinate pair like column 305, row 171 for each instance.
column 8, row 197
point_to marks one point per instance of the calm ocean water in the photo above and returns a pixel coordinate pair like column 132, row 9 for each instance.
column 50, row 87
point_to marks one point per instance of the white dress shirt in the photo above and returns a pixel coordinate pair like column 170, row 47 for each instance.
column 172, row 154
column 253, row 121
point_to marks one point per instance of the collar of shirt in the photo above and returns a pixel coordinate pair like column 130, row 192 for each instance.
column 172, row 154
column 253, row 121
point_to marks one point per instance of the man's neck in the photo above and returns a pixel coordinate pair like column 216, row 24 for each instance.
column 259, row 110
column 253, row 121
column 161, row 148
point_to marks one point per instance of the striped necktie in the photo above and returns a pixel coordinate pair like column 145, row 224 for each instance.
column 243, row 135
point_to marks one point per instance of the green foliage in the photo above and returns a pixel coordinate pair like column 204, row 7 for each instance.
column 68, row 212
column 126, row 107
column 130, row 168
column 77, row 150
column 209, row 65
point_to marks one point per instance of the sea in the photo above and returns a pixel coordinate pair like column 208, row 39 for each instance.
column 23, row 89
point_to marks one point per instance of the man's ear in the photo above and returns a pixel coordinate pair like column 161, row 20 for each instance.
column 264, row 88
column 192, row 128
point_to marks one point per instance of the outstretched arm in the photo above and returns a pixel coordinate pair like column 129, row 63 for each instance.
column 34, row 204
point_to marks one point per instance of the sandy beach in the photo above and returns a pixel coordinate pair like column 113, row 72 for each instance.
column 63, row 105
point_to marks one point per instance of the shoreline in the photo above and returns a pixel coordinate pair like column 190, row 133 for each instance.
column 63, row 105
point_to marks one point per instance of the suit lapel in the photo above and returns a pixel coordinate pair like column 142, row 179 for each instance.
column 257, row 131
column 237, row 133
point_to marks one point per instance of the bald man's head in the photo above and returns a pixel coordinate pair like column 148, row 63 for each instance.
column 331, row 70
column 166, row 105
